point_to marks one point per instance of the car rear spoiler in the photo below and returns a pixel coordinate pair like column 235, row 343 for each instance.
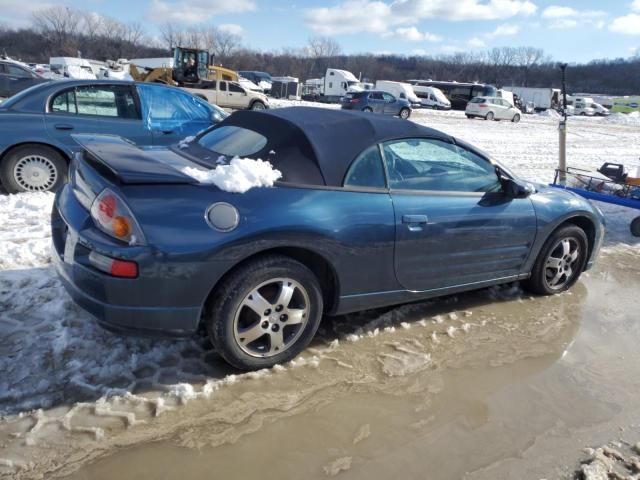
column 129, row 163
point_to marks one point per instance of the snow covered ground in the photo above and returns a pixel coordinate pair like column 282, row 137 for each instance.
column 58, row 366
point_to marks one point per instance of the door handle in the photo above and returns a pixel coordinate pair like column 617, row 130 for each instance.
column 63, row 126
column 167, row 132
column 413, row 219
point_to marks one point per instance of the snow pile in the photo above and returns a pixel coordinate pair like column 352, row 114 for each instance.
column 239, row 176
column 185, row 142
column 549, row 114
column 618, row 118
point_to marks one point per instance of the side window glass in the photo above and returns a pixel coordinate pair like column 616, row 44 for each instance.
column 223, row 86
column 170, row 109
column 108, row 101
column 18, row 72
column 3, row 68
column 435, row 165
column 390, row 98
column 366, row 170
column 64, row 102
column 235, row 88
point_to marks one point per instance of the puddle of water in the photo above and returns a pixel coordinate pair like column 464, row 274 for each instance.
column 464, row 394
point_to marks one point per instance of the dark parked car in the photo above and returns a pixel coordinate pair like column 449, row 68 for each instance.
column 15, row 77
column 370, row 211
column 377, row 102
column 36, row 124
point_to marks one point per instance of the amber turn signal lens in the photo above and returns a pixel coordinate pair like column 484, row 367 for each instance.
column 121, row 227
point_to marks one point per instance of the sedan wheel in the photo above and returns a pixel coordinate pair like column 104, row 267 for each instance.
column 264, row 313
column 367, row 109
column 561, row 261
column 33, row 169
column 516, row 118
column 405, row 113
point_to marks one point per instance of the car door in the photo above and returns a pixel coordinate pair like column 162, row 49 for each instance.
column 390, row 104
column 223, row 94
column 454, row 225
column 102, row 108
column 376, row 102
column 237, row 95
column 171, row 114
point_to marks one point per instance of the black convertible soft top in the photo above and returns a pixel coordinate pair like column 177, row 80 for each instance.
column 329, row 139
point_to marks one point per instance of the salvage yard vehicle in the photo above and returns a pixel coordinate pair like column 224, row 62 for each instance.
column 370, row 211
column 36, row 124
column 492, row 108
column 15, row 77
column 374, row 101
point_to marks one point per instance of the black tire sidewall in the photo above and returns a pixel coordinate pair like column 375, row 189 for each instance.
column 220, row 321
column 408, row 112
column 516, row 118
column 634, row 227
column 536, row 282
column 256, row 102
column 11, row 159
column 367, row 109
column 490, row 116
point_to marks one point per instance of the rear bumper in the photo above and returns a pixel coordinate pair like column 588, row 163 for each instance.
column 138, row 306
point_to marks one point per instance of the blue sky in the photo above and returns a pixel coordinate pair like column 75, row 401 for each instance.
column 569, row 30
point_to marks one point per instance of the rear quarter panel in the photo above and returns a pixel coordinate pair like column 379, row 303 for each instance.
column 353, row 231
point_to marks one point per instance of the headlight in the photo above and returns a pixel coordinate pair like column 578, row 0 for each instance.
column 113, row 217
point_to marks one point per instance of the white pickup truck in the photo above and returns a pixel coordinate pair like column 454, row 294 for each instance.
column 229, row 94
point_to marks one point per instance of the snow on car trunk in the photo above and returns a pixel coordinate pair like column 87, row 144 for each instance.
column 240, row 175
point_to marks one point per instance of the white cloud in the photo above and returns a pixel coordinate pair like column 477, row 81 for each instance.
column 412, row 34
column 556, row 11
column 195, row 11
column 18, row 12
column 563, row 18
column 504, row 31
column 232, row 28
column 628, row 25
column 351, row 16
column 563, row 24
column 635, row 5
column 476, row 42
column 377, row 16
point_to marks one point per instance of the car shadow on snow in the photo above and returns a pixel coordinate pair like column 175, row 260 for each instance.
column 54, row 353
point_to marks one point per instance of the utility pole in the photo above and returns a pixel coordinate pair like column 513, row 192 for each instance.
column 562, row 128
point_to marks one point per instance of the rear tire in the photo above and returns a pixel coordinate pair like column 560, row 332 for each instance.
column 470, row 117
column 490, row 116
column 404, row 113
column 635, row 227
column 253, row 301
column 367, row 109
column 33, row 168
column 560, row 261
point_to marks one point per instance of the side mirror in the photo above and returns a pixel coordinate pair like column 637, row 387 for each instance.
column 516, row 188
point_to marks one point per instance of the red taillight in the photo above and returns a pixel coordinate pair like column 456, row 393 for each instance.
column 121, row 268
column 354, row 100
column 107, row 207
column 483, row 105
column 112, row 266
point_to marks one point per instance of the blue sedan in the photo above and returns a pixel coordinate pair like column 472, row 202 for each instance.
column 369, row 211
column 36, row 124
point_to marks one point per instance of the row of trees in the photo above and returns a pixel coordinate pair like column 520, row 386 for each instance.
column 63, row 31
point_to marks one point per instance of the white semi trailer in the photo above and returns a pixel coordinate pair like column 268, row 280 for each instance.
column 542, row 98
column 332, row 87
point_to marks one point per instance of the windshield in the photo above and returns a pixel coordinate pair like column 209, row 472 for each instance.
column 233, row 141
column 437, row 93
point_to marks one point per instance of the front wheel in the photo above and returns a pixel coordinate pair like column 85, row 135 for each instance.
column 265, row 313
column 367, row 109
column 516, row 118
column 635, row 227
column 405, row 113
column 258, row 105
column 33, row 168
column 560, row 262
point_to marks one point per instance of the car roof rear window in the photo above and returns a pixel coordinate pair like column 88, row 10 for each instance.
column 478, row 100
column 233, row 141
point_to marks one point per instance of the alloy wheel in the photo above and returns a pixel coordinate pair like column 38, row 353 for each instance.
column 271, row 317
column 561, row 265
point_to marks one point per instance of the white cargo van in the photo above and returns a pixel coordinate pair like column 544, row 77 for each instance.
column 432, row 97
column 399, row 89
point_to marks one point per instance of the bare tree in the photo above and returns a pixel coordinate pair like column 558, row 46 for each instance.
column 323, row 47
column 171, row 36
column 225, row 43
column 59, row 24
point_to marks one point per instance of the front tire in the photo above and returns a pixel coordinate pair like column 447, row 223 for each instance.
column 33, row 168
column 258, row 105
column 635, row 227
column 265, row 313
column 367, row 110
column 560, row 262
column 516, row 118
column 405, row 113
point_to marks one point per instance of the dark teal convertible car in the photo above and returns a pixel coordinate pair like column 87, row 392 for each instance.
column 368, row 211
